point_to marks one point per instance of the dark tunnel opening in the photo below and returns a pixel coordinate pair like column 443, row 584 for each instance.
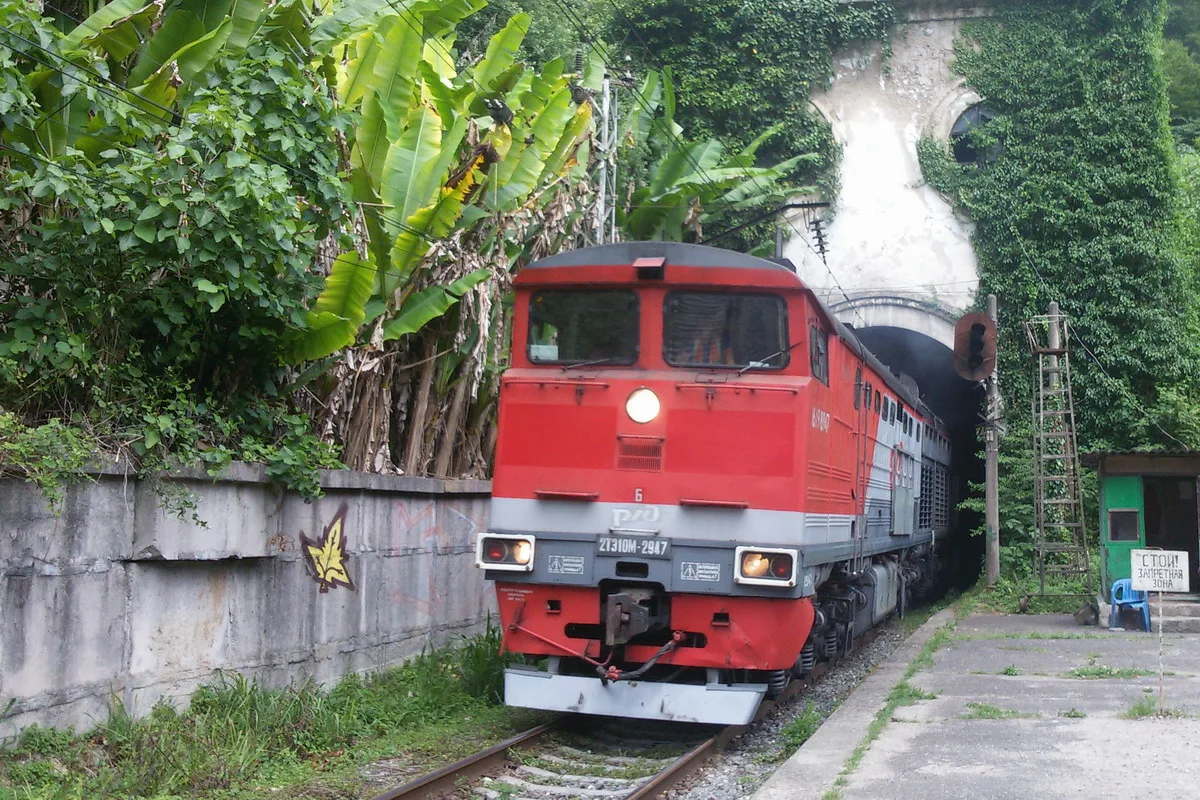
column 958, row 403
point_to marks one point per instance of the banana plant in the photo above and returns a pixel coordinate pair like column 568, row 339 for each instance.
column 434, row 152
column 690, row 181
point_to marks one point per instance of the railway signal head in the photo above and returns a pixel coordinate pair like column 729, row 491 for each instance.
column 975, row 346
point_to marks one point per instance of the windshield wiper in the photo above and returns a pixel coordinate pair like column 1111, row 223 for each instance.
column 765, row 363
column 592, row 363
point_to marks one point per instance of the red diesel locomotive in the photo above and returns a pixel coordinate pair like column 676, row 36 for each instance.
column 703, row 484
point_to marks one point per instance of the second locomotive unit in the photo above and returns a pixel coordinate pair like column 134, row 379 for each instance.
column 704, row 484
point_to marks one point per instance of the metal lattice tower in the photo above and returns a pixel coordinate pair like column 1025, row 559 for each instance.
column 1060, row 546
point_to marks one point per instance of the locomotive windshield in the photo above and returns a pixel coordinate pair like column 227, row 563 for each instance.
column 725, row 330
column 571, row 326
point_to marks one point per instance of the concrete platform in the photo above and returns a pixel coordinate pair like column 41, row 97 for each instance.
column 1023, row 707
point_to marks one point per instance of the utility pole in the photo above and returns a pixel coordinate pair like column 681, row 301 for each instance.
column 606, row 192
column 991, row 492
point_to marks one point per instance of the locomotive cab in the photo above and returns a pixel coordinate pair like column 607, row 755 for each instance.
column 686, row 457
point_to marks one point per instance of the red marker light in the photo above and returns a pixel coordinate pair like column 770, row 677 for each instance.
column 781, row 566
column 495, row 550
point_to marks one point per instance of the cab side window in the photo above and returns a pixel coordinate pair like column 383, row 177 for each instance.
column 818, row 350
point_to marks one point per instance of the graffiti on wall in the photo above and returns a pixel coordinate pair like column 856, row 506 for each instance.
column 326, row 557
column 417, row 524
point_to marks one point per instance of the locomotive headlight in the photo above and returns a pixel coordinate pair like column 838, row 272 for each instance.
column 642, row 406
column 505, row 551
column 765, row 566
column 755, row 565
column 522, row 551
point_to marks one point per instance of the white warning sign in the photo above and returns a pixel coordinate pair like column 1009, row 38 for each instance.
column 1159, row 570
column 700, row 571
column 565, row 565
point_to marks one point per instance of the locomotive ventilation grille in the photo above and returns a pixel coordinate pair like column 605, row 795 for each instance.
column 641, row 453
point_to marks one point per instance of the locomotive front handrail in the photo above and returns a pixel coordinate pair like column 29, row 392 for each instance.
column 554, row 494
column 556, row 382
column 692, row 501
column 737, row 387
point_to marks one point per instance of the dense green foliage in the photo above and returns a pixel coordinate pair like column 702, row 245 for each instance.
column 1078, row 202
column 155, row 266
column 235, row 735
column 743, row 67
column 1181, row 48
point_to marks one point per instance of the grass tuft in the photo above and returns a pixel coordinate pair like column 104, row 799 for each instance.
column 989, row 711
column 801, row 728
column 1072, row 713
column 1094, row 672
column 1145, row 707
column 1011, row 669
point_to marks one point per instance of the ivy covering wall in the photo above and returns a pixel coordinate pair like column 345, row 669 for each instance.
column 1076, row 200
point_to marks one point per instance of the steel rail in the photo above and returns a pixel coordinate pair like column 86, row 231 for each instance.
column 443, row 781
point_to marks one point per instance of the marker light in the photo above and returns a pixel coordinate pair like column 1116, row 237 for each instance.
column 505, row 551
column 642, row 406
column 765, row 566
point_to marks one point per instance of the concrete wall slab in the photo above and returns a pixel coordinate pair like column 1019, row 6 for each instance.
column 115, row 599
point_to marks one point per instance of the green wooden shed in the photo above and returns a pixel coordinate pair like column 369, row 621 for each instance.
column 1146, row 500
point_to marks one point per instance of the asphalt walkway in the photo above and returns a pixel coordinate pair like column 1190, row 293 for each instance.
column 1011, row 707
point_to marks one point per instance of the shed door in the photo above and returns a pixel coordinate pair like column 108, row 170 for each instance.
column 1122, row 525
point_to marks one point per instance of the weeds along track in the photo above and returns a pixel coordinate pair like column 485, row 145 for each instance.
column 586, row 758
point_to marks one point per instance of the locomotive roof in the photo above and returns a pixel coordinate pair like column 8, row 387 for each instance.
column 696, row 255
column 678, row 253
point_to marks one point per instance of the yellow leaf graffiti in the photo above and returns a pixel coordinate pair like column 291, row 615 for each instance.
column 327, row 555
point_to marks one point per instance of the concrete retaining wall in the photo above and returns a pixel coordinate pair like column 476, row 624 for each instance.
column 117, row 598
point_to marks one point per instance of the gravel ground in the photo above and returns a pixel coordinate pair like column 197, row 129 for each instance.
column 752, row 757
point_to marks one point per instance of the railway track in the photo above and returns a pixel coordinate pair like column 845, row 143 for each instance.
column 588, row 758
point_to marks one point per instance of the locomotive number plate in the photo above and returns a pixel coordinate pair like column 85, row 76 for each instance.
column 640, row 546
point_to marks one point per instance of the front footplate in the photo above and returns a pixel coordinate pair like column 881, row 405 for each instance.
column 714, row 703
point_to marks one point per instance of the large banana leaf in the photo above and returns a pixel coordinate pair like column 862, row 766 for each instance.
column 517, row 182
column 393, row 77
column 429, row 304
column 354, row 17
column 354, row 78
column 370, row 145
column 248, row 16
column 340, row 309
column 441, row 16
column 501, row 51
column 405, row 184
column 116, row 28
column 429, row 224
column 636, row 127
column 180, row 28
column 688, row 164
column 568, row 144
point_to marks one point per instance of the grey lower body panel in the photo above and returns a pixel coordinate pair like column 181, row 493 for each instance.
column 715, row 703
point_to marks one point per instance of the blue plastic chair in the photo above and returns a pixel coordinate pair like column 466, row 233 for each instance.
column 1123, row 595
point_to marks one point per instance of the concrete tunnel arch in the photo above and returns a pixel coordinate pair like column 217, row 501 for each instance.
column 924, row 316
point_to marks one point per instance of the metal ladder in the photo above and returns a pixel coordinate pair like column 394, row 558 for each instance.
column 1060, row 546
